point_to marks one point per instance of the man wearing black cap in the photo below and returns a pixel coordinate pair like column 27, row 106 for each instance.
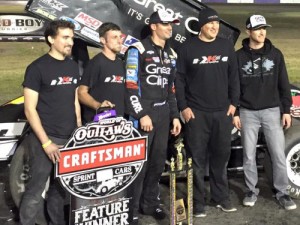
column 265, row 102
column 151, row 104
column 207, row 90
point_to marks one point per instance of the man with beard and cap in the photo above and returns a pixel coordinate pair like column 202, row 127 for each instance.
column 265, row 103
column 207, row 91
column 151, row 104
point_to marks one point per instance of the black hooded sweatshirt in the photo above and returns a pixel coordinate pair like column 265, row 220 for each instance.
column 263, row 78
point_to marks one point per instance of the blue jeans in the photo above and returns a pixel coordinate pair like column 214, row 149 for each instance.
column 270, row 121
column 40, row 169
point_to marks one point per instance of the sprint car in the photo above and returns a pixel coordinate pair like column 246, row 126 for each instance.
column 132, row 16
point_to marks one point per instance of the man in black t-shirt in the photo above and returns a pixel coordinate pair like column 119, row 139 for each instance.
column 207, row 91
column 53, row 112
column 102, row 84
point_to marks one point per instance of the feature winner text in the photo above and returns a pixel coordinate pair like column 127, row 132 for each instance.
column 115, row 213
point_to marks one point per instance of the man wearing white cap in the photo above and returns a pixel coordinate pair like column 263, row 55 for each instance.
column 207, row 90
column 151, row 104
column 265, row 103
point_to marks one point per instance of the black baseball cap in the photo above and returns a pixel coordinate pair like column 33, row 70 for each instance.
column 162, row 16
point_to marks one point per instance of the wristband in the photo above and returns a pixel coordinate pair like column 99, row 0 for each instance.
column 45, row 145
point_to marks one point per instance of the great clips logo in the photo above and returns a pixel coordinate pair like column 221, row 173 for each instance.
column 102, row 159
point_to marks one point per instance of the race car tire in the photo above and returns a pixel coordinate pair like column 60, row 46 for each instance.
column 18, row 176
column 292, row 152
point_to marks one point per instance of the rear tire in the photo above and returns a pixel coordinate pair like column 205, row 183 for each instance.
column 292, row 152
column 18, row 177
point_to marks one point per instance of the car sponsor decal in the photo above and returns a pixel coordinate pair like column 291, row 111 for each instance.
column 19, row 24
column 76, row 24
column 88, row 21
column 295, row 108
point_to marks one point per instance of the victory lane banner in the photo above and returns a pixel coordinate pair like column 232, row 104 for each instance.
column 97, row 166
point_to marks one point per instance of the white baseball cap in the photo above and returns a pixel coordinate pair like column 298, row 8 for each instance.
column 256, row 21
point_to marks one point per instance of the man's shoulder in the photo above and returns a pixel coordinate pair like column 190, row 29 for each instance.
column 98, row 57
column 40, row 60
column 139, row 45
column 240, row 50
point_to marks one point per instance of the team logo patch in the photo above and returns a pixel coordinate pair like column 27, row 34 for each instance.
column 63, row 81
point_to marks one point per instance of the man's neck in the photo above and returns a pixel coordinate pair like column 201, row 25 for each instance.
column 158, row 41
column 109, row 54
column 204, row 39
column 56, row 55
column 255, row 45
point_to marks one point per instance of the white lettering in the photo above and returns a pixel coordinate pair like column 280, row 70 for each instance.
column 153, row 69
column 188, row 25
column 158, row 6
column 157, row 80
column 136, row 104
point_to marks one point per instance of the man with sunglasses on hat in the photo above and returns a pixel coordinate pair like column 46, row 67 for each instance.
column 151, row 104
column 265, row 103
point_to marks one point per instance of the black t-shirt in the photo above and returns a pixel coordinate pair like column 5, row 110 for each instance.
column 207, row 75
column 56, row 82
column 105, row 78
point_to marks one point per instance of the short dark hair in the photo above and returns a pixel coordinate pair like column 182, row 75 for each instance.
column 53, row 26
column 107, row 27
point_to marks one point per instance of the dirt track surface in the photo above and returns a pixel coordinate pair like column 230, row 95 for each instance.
column 265, row 212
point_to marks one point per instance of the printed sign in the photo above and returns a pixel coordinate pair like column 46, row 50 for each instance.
column 97, row 165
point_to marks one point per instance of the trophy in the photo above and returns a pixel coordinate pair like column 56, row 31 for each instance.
column 177, row 208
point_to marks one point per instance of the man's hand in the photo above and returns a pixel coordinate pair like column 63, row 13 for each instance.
column 146, row 123
column 286, row 121
column 231, row 110
column 107, row 103
column 176, row 127
column 187, row 114
column 53, row 152
column 237, row 122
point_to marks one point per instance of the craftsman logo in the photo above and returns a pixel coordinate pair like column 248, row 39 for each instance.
column 102, row 158
column 102, row 155
column 18, row 24
column 88, row 21
column 55, row 4
column 210, row 59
